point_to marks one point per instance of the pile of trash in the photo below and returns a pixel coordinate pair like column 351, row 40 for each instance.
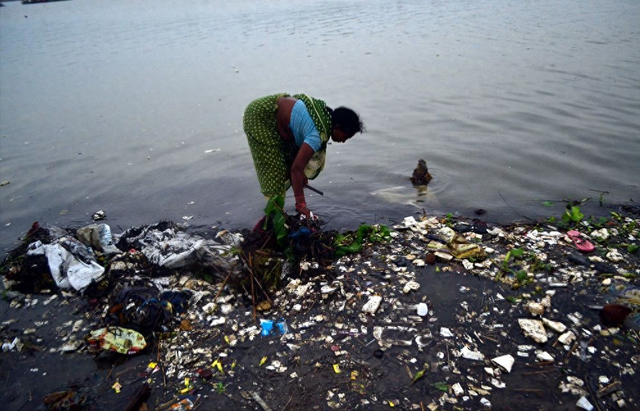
column 436, row 313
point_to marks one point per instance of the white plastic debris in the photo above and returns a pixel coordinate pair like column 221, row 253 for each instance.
column 544, row 356
column 614, row 256
column 505, row 362
column 13, row 345
column 422, row 309
column 98, row 236
column 71, row 345
column 497, row 383
column 372, row 305
column 445, row 332
column 533, row 329
column 601, row 234
column 471, row 355
column 584, row 403
column 567, row 338
column 457, row 389
column 209, row 308
column 410, row 286
column 443, row 256
column 70, row 269
column 534, row 308
column 225, row 309
column 327, row 289
column 555, row 325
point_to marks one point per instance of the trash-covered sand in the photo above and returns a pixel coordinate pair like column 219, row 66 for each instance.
column 437, row 313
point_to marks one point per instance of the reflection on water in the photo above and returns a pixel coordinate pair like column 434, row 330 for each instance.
column 135, row 108
column 419, row 196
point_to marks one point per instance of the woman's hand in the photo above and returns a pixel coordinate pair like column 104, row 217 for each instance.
column 301, row 207
column 303, row 210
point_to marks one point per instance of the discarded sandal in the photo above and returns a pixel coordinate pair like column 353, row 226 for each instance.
column 580, row 242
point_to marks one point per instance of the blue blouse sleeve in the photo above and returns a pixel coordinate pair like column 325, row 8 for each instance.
column 303, row 128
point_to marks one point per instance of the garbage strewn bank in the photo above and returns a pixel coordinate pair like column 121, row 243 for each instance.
column 432, row 313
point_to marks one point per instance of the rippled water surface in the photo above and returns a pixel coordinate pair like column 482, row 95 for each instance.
column 136, row 107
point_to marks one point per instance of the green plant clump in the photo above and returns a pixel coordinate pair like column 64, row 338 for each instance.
column 350, row 243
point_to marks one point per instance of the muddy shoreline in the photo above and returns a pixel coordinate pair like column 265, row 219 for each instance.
column 335, row 356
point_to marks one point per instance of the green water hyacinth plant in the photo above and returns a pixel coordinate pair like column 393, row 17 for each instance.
column 572, row 215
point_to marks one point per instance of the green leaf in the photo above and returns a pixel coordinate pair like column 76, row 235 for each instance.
column 632, row 248
column 442, row 386
column 418, row 375
column 512, row 299
column 350, row 243
column 274, row 211
column 521, row 276
column 506, row 260
column 517, row 252
column 548, row 203
column 575, row 215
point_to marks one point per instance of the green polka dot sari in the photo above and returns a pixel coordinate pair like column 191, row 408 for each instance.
column 272, row 156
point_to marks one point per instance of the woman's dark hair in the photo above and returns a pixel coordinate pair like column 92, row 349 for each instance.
column 346, row 120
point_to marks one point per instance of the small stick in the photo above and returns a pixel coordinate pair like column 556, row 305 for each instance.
column 575, row 346
column 222, row 287
column 537, row 372
column 314, row 189
column 253, row 292
column 448, row 362
column 126, row 370
column 110, row 371
column 528, row 390
column 490, row 339
column 540, row 364
column 409, row 371
column 167, row 404
column 260, row 401
column 287, row 404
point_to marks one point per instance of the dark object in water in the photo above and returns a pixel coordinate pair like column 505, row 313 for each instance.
column 65, row 401
column 604, row 268
column 313, row 189
column 614, row 314
column 421, row 174
column 430, row 259
column 579, row 259
column 479, row 226
column 378, row 353
column 39, row 1
column 141, row 396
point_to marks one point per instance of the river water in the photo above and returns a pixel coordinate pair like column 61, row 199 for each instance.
column 136, row 107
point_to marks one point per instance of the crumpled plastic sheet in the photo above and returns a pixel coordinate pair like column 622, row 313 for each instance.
column 459, row 246
column 71, row 263
column 171, row 248
column 99, row 237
